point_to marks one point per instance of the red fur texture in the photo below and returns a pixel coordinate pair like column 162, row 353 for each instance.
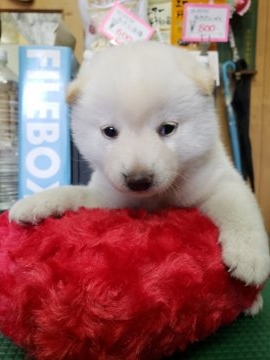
column 114, row 284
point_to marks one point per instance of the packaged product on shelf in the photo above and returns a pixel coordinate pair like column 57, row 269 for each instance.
column 8, row 134
column 93, row 13
column 44, row 135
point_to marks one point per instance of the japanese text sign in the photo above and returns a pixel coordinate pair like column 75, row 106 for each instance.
column 206, row 22
column 121, row 26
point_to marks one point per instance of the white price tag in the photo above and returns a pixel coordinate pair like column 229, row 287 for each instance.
column 206, row 23
column 121, row 25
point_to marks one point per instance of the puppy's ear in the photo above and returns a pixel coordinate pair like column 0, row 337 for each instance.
column 75, row 87
column 203, row 78
column 73, row 91
column 198, row 72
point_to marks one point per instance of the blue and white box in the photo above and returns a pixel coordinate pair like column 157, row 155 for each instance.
column 44, row 131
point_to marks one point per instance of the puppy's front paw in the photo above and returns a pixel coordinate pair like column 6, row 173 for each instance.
column 29, row 211
column 247, row 256
column 256, row 307
column 35, row 208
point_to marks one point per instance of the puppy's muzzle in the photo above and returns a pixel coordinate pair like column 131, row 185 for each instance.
column 139, row 181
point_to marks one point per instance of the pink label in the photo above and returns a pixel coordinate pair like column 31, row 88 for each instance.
column 121, row 25
column 206, row 23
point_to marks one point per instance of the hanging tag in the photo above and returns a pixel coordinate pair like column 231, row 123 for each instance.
column 206, row 23
column 121, row 25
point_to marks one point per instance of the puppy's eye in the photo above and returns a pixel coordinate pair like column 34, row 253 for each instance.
column 167, row 129
column 109, row 132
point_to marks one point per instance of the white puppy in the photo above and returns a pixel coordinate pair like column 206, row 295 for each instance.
column 143, row 116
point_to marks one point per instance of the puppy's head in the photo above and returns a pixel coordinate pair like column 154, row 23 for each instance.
column 142, row 114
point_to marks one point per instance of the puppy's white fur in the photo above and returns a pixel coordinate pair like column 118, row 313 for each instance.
column 136, row 88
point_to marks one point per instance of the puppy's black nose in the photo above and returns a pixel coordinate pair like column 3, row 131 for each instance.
column 139, row 181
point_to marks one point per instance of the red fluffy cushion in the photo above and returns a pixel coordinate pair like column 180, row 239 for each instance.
column 115, row 284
